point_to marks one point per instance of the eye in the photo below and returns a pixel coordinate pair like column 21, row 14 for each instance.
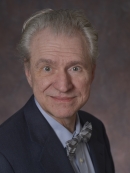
column 76, row 68
column 47, row 68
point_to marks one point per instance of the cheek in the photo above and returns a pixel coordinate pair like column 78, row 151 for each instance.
column 83, row 83
column 83, row 88
column 42, row 84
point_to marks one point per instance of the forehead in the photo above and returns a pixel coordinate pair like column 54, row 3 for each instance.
column 48, row 43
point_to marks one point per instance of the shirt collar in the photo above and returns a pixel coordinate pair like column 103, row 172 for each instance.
column 58, row 128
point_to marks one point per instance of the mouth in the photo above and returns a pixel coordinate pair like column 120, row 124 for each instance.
column 62, row 99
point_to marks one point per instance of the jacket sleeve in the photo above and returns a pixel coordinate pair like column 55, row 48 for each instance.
column 5, row 166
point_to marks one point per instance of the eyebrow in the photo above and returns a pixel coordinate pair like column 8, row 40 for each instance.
column 47, row 61
column 73, row 63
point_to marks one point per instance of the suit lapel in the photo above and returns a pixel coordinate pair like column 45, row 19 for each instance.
column 54, row 157
column 51, row 154
column 96, row 150
column 95, row 147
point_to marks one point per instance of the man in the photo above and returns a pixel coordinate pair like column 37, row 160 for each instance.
column 59, row 50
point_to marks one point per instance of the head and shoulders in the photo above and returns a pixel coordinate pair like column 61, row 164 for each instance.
column 59, row 51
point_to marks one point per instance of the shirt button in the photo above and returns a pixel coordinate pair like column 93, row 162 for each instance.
column 81, row 160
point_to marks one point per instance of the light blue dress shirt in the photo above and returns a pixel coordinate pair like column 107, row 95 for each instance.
column 82, row 162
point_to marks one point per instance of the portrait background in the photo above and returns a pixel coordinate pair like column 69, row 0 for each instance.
column 110, row 94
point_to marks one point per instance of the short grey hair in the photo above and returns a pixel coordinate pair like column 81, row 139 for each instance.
column 60, row 21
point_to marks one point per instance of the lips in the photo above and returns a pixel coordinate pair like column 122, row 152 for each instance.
column 62, row 99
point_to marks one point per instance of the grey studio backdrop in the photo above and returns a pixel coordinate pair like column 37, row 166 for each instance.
column 110, row 94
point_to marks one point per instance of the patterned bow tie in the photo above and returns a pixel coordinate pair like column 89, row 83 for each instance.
column 84, row 136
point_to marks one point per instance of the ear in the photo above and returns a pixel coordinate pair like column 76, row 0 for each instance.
column 28, row 74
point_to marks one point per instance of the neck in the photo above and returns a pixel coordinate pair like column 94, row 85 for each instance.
column 68, row 123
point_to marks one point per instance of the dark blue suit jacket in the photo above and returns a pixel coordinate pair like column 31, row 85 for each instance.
column 29, row 145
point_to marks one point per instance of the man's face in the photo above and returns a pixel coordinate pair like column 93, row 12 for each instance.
column 60, row 73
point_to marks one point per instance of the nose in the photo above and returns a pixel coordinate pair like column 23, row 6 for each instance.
column 63, row 82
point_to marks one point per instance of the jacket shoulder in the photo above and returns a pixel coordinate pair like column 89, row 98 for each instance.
column 15, row 120
column 12, row 130
column 12, row 122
